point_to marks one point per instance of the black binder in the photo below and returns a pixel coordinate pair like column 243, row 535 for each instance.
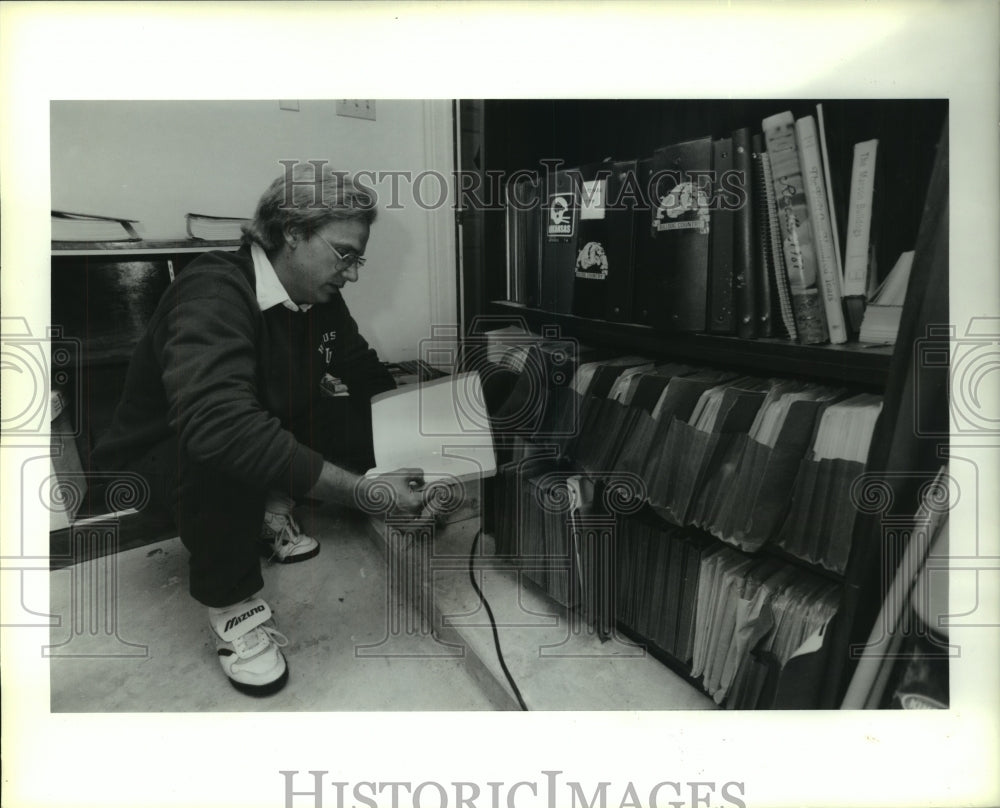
column 595, row 265
column 560, row 230
column 744, row 247
column 524, row 212
column 624, row 209
column 765, row 283
column 671, row 279
column 721, row 319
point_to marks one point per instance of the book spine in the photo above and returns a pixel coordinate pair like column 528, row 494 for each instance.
column 778, row 262
column 764, row 288
column 621, row 241
column 533, row 247
column 722, row 279
column 827, row 179
column 796, row 231
column 859, row 218
column 812, row 174
column 744, row 260
column 512, row 250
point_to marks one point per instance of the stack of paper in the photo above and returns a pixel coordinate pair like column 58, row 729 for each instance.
column 644, row 389
column 508, row 346
column 624, row 387
column 799, row 613
column 657, row 573
column 746, row 497
column 586, row 372
column 751, row 605
column 772, row 414
column 845, row 429
column 699, row 421
column 728, row 407
column 681, row 394
column 885, row 309
column 820, row 522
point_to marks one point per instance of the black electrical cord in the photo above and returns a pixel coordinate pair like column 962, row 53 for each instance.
column 493, row 622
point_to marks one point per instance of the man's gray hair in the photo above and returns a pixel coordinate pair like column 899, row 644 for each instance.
column 308, row 195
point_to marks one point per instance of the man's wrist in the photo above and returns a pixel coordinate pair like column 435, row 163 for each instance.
column 335, row 484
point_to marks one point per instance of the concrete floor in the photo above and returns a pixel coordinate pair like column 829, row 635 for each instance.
column 133, row 640
column 557, row 661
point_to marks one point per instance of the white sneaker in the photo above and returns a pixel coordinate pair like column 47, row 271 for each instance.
column 249, row 647
column 282, row 540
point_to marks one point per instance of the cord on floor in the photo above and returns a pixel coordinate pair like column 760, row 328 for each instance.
column 493, row 622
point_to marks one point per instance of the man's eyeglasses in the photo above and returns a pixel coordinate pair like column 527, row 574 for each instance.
column 344, row 262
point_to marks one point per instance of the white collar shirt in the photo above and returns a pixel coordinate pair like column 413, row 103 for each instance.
column 270, row 291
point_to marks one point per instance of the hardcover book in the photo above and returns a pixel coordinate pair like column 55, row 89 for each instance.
column 671, row 285
column 807, row 140
column 798, row 242
column 857, row 253
column 744, row 247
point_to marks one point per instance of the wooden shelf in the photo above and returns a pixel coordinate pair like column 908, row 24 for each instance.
column 852, row 363
column 913, row 136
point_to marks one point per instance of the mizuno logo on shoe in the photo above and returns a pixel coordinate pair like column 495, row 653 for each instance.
column 235, row 621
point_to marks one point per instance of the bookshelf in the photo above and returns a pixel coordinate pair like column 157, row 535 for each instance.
column 102, row 295
column 862, row 365
column 513, row 135
column 141, row 247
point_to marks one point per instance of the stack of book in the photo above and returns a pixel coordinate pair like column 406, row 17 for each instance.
column 734, row 235
column 91, row 228
column 215, row 228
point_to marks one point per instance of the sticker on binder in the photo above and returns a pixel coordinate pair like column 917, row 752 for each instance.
column 592, row 201
column 592, row 262
column 684, row 207
column 561, row 218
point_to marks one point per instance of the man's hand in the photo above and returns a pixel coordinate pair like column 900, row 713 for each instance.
column 401, row 491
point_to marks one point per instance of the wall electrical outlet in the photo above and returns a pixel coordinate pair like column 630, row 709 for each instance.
column 356, row 108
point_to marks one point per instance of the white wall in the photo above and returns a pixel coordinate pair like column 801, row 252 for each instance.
column 157, row 160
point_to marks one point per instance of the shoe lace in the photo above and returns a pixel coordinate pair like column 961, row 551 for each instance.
column 257, row 640
column 286, row 532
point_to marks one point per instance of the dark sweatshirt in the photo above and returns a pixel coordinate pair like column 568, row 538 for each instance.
column 229, row 379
